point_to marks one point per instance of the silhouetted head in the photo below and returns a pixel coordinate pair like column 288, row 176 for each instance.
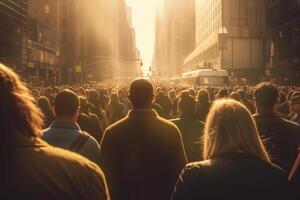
column 223, row 93
column 141, row 94
column 186, row 103
column 265, row 96
column 235, row 96
column 203, row 96
column 66, row 105
column 44, row 104
column 18, row 111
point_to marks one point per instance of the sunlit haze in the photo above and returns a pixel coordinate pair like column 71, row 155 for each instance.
column 143, row 14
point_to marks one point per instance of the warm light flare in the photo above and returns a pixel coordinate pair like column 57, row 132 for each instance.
column 144, row 22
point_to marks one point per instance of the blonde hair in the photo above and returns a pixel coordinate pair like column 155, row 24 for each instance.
column 230, row 128
column 17, row 107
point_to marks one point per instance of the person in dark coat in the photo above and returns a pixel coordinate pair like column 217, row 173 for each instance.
column 88, row 121
column 282, row 137
column 142, row 154
column 165, row 103
column 237, row 165
column 115, row 108
column 190, row 128
column 44, row 104
column 202, row 105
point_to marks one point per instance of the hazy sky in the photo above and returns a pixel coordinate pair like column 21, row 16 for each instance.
column 143, row 17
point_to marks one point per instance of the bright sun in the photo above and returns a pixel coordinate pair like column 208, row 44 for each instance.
column 144, row 12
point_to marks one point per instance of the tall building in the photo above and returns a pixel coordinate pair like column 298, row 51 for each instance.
column 230, row 35
column 98, row 40
column 13, row 35
column 283, row 40
column 43, row 42
column 175, row 37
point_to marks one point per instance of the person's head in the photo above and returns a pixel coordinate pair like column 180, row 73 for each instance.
column 230, row 128
column 44, row 104
column 18, row 111
column 84, row 105
column 186, row 103
column 265, row 96
column 172, row 94
column 94, row 97
column 192, row 92
column 66, row 106
column 235, row 96
column 203, row 96
column 223, row 93
column 141, row 94
column 114, row 99
column 295, row 102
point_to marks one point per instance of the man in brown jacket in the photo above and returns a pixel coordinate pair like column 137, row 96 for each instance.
column 142, row 155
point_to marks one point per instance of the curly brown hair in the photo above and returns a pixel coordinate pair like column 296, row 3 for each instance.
column 18, row 111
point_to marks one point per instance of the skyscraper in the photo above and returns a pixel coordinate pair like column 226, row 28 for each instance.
column 175, row 35
column 230, row 35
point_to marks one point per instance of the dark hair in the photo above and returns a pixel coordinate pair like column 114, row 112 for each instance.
column 84, row 105
column 186, row 103
column 141, row 93
column 114, row 100
column 66, row 103
column 266, row 94
column 203, row 96
column 44, row 104
column 17, row 107
column 223, row 93
column 235, row 96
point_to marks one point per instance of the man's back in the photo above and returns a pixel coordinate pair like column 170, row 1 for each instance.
column 36, row 170
column 142, row 156
column 64, row 135
column 282, row 138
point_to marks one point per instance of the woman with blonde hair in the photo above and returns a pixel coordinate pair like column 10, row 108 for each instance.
column 236, row 164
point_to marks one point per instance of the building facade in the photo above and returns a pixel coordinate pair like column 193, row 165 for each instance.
column 283, row 40
column 230, row 35
column 44, row 65
column 98, row 40
column 175, row 37
column 13, row 35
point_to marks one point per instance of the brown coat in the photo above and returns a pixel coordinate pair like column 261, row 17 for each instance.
column 35, row 170
column 142, row 156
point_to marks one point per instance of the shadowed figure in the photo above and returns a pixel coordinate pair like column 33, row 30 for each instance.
column 142, row 155
column 30, row 168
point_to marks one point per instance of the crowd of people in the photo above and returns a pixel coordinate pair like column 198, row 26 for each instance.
column 148, row 141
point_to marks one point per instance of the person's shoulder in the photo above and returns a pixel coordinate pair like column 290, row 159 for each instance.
column 46, row 132
column 290, row 123
column 199, row 164
column 70, row 161
column 116, row 126
column 91, row 141
column 175, row 121
column 196, row 169
column 166, row 123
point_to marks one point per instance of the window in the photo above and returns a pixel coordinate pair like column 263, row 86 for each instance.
column 47, row 8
